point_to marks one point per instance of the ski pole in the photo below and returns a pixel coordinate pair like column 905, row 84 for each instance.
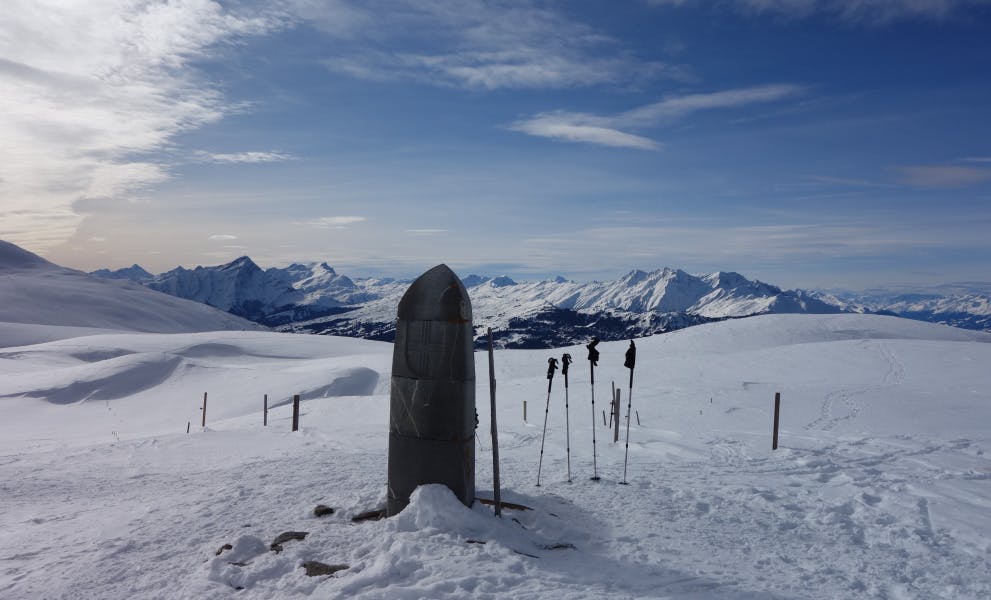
column 551, row 366
column 593, row 359
column 565, row 361
column 631, row 359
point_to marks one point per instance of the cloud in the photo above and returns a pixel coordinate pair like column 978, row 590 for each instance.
column 426, row 231
column 86, row 88
column 977, row 159
column 870, row 12
column 333, row 222
column 223, row 237
column 242, row 157
column 937, row 176
column 561, row 127
column 607, row 130
column 474, row 44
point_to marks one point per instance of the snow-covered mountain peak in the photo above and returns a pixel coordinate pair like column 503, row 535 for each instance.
column 135, row 273
column 472, row 280
column 240, row 263
column 502, row 281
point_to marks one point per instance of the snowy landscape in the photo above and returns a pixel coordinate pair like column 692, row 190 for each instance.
column 257, row 257
column 881, row 486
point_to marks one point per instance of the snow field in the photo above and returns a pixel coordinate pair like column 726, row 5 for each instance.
column 880, row 488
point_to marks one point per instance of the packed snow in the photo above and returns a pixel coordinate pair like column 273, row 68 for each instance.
column 881, row 486
column 37, row 292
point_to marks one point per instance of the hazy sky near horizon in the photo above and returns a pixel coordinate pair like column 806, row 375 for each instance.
column 807, row 143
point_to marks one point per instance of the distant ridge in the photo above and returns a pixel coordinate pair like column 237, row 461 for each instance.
column 15, row 258
column 35, row 291
column 315, row 298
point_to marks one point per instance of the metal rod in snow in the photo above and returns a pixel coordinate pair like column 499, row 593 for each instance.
column 593, row 360
column 265, row 412
column 631, row 359
column 203, row 424
column 777, row 409
column 565, row 361
column 295, row 412
column 551, row 367
column 496, row 494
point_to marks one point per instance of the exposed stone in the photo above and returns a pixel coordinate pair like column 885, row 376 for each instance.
column 316, row 568
column 287, row 536
column 222, row 548
column 322, row 510
column 371, row 515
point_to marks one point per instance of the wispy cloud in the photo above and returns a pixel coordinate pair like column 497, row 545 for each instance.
column 476, row 44
column 82, row 95
column 608, row 130
column 869, row 12
column 568, row 128
column 242, row 157
column 333, row 222
column 977, row 159
column 223, row 237
column 939, row 176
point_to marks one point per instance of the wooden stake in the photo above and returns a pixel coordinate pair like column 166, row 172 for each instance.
column 777, row 409
column 187, row 427
column 265, row 412
column 524, row 411
column 615, row 407
column 495, row 430
column 295, row 412
column 203, row 424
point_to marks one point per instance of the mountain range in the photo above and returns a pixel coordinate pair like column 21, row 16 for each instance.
column 314, row 298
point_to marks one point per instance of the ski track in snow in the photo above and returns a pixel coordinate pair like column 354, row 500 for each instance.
column 881, row 487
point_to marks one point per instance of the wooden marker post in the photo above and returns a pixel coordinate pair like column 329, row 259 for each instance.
column 203, row 424
column 615, row 405
column 777, row 410
column 295, row 412
column 265, row 411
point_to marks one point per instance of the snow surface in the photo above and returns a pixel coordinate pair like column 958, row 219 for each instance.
column 37, row 292
column 881, row 487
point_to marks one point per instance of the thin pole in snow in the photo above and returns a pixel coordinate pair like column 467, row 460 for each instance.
column 777, row 410
column 615, row 408
column 295, row 412
column 203, row 424
column 496, row 494
column 265, row 412
column 631, row 359
column 565, row 361
column 551, row 367
column 593, row 359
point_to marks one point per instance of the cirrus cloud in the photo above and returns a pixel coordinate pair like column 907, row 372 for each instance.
column 86, row 88
column 608, row 130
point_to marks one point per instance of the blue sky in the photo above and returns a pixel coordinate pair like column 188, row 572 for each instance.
column 811, row 143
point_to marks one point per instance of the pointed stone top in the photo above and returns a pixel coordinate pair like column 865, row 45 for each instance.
column 437, row 295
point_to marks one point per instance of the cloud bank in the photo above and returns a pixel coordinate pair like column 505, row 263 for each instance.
column 89, row 91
